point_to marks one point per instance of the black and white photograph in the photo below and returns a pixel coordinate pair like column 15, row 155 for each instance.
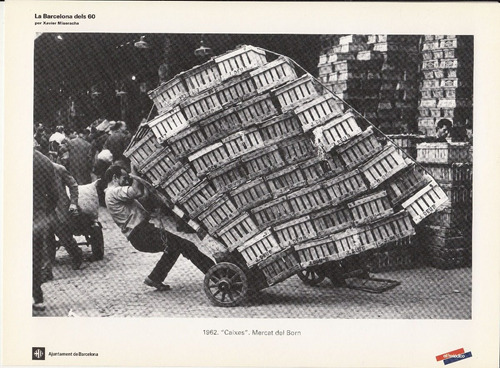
column 298, row 176
column 275, row 184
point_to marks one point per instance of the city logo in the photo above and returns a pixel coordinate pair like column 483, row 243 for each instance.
column 38, row 353
column 453, row 356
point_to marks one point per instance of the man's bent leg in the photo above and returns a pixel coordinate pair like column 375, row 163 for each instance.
column 191, row 252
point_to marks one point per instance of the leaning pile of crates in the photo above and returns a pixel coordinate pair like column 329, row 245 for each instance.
column 274, row 170
column 447, row 234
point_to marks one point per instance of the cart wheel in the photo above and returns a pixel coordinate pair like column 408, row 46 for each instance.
column 96, row 241
column 226, row 285
column 311, row 277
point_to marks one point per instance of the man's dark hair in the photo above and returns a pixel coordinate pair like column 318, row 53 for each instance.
column 112, row 171
column 444, row 122
column 115, row 126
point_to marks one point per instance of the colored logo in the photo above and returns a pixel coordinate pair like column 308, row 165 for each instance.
column 453, row 356
column 38, row 353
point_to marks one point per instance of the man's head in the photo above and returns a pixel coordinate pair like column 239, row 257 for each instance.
column 443, row 128
column 117, row 175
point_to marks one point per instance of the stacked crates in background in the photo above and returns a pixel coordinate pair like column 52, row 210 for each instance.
column 276, row 170
column 377, row 75
column 446, row 85
column 447, row 234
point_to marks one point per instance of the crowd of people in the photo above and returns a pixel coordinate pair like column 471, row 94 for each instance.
column 64, row 163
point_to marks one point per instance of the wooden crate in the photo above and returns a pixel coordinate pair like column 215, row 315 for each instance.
column 169, row 93
column 344, row 187
column 168, row 124
column 202, row 77
column 251, row 194
column 236, row 90
column 272, row 212
column 297, row 149
column 179, row 183
column 238, row 231
column 218, row 214
column 240, row 60
column 457, row 194
column 280, row 127
column 337, row 131
column 296, row 92
column 383, row 166
column 262, row 161
column 425, row 201
column 392, row 228
column 406, row 183
column 161, row 164
column 451, row 174
column 280, row 266
column 333, row 164
column 199, row 198
column 273, row 74
column 140, row 153
column 316, row 252
column 201, row 106
column 256, row 110
column 359, row 148
column 221, row 124
column 307, row 200
column 452, row 217
column 228, row 177
column 318, row 111
column 399, row 255
column 209, row 158
column 187, row 141
column 258, row 248
column 295, row 231
column 332, row 220
column 243, row 142
column 347, row 243
column 370, row 208
column 285, row 180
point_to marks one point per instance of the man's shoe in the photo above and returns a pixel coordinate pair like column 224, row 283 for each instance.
column 76, row 261
column 158, row 285
column 39, row 307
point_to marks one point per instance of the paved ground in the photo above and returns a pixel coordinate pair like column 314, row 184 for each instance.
column 114, row 288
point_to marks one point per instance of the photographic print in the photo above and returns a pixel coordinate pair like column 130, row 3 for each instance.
column 277, row 189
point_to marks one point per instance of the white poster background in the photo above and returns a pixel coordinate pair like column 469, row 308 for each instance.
column 180, row 342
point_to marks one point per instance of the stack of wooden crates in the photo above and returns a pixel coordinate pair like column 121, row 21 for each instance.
column 446, row 235
column 274, row 170
column 377, row 75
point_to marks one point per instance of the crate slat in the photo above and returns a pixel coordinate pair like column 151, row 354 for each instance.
column 332, row 220
column 187, row 141
column 168, row 94
column 425, row 201
column 383, row 166
column 202, row 77
column 240, row 60
column 161, row 164
column 443, row 152
column 337, row 131
column 308, row 199
column 285, row 180
column 370, row 208
column 318, row 111
column 168, row 124
column 218, row 214
column 209, row 158
column 280, row 266
column 359, row 149
column 262, row 161
column 297, row 149
column 279, row 128
column 140, row 153
column 390, row 229
column 221, row 124
column 272, row 212
column 179, row 183
column 201, row 106
column 251, row 194
column 258, row 248
column 199, row 198
column 238, row 231
column 273, row 74
column 406, row 183
column 296, row 92
column 295, row 231
column 344, row 187
column 316, row 252
column 243, row 142
column 236, row 90
column 228, row 177
column 256, row 110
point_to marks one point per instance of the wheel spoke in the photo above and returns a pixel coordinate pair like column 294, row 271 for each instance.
column 213, row 286
column 235, row 277
column 214, row 279
column 230, row 296
column 215, row 294
column 223, row 296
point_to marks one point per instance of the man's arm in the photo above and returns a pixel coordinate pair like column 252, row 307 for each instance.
column 136, row 190
column 70, row 182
